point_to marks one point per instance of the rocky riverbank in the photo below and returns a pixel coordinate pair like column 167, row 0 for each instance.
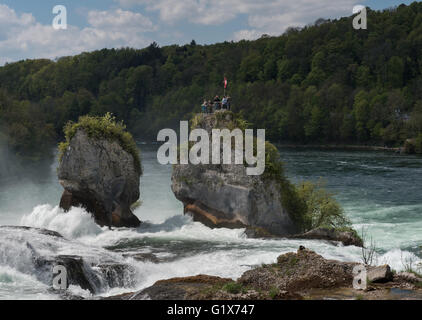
column 294, row 276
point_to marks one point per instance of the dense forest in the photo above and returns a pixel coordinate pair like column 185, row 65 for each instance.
column 324, row 83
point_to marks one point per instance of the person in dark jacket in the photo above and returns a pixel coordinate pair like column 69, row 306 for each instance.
column 217, row 103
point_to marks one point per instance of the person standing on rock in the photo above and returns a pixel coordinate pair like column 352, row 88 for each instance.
column 224, row 102
column 204, row 107
column 217, row 103
column 229, row 101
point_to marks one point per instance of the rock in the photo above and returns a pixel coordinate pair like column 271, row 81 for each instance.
column 296, row 272
column 380, row 274
column 77, row 273
column 102, row 177
column 145, row 257
column 348, row 238
column 258, row 233
column 88, row 277
column 41, row 231
column 188, row 288
column 117, row 275
column 408, row 277
column 224, row 196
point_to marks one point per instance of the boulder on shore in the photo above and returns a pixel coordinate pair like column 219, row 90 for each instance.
column 224, row 196
column 99, row 175
column 380, row 274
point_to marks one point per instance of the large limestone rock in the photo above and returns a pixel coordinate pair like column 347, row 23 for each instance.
column 225, row 196
column 101, row 176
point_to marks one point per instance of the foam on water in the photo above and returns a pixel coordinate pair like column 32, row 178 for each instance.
column 74, row 224
column 15, row 285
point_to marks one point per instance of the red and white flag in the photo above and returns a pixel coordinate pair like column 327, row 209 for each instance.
column 225, row 83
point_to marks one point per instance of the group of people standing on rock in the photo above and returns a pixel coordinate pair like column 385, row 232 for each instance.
column 216, row 104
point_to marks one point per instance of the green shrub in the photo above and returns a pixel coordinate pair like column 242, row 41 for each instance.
column 233, row 287
column 322, row 210
column 274, row 170
column 273, row 293
column 308, row 204
column 105, row 127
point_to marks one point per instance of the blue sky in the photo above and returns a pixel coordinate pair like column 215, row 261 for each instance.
column 26, row 31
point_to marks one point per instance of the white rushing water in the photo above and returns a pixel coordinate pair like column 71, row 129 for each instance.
column 184, row 247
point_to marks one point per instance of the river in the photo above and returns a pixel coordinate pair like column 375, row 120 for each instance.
column 380, row 192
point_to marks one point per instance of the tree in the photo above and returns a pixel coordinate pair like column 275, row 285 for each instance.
column 395, row 72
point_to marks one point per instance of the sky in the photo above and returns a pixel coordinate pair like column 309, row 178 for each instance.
column 26, row 29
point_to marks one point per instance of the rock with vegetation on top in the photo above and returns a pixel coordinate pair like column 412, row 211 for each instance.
column 348, row 237
column 300, row 271
column 267, row 206
column 225, row 196
column 100, row 170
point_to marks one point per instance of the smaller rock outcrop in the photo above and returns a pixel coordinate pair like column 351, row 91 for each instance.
column 99, row 173
column 300, row 271
column 380, row 274
column 347, row 237
column 186, row 288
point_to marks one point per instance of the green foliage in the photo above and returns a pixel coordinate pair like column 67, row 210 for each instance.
column 233, row 287
column 274, row 170
column 309, row 204
column 273, row 293
column 105, row 127
column 322, row 210
column 324, row 83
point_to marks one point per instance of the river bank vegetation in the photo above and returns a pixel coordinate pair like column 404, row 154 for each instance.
column 324, row 83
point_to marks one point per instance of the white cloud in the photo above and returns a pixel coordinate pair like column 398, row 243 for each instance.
column 246, row 35
column 264, row 16
column 118, row 19
column 21, row 36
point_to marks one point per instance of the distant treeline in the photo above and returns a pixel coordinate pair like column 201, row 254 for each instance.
column 325, row 83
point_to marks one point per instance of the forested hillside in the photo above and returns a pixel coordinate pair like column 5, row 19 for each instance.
column 325, row 83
